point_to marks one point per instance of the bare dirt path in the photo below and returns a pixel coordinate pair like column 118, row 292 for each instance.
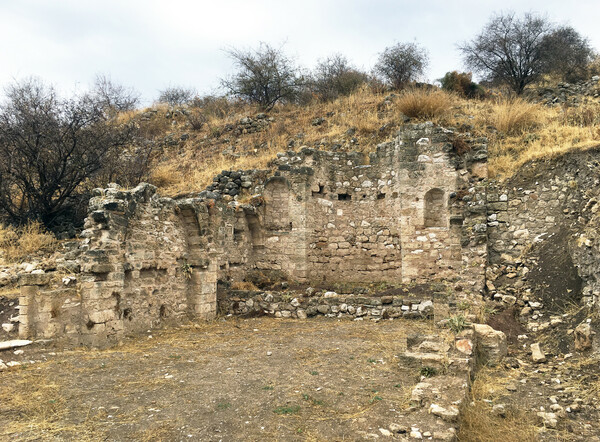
column 252, row 379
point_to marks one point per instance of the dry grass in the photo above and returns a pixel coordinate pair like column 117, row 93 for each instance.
column 20, row 243
column 514, row 116
column 518, row 131
column 44, row 401
column 32, row 403
column 243, row 285
column 10, row 292
column 425, row 103
column 479, row 424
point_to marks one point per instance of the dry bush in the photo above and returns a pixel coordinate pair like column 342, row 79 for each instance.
column 196, row 118
column 582, row 116
column 243, row 285
column 153, row 124
column 424, row 103
column 165, row 175
column 19, row 243
column 214, row 106
column 515, row 116
column 462, row 84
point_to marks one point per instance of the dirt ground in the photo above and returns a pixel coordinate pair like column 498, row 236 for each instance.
column 253, row 379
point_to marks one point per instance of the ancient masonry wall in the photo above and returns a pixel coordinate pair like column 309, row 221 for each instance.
column 413, row 211
column 552, row 205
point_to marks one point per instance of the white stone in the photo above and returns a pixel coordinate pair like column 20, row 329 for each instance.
column 324, row 202
column 537, row 355
column 8, row 327
column 4, row 345
column 448, row 414
column 384, row 432
column 415, row 434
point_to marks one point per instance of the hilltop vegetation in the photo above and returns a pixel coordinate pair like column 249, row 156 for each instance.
column 238, row 136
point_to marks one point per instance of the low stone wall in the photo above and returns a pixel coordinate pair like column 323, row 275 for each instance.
column 572, row 94
column 329, row 304
column 50, row 307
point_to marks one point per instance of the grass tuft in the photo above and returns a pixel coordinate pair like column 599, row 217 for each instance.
column 424, row 103
column 514, row 116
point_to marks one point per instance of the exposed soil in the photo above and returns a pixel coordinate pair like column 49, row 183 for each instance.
column 554, row 279
column 506, row 321
column 252, row 379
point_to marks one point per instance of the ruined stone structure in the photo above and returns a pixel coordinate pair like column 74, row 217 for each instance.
column 551, row 207
column 413, row 211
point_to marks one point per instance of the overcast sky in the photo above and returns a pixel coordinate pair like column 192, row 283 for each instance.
column 150, row 45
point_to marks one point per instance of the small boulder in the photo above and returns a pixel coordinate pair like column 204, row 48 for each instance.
column 449, row 414
column 583, row 337
column 537, row 355
column 549, row 420
column 491, row 344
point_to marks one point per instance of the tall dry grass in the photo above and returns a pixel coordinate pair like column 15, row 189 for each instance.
column 20, row 243
column 479, row 424
column 425, row 103
column 515, row 116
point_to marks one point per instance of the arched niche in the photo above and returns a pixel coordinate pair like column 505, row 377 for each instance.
column 435, row 214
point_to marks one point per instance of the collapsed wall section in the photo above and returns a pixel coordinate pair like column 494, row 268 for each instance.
column 548, row 213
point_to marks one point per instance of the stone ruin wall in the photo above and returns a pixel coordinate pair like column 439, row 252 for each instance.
column 550, row 204
column 412, row 211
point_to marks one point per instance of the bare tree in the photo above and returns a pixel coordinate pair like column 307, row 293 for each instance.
column 264, row 76
column 177, row 96
column 335, row 76
column 48, row 147
column 114, row 97
column 509, row 50
column 402, row 63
